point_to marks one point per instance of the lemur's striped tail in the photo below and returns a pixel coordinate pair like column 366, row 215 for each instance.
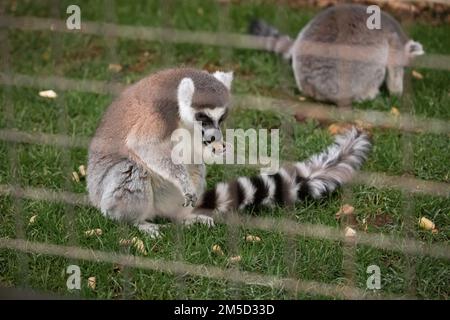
column 273, row 41
column 315, row 177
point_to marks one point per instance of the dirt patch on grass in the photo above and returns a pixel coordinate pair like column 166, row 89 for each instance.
column 433, row 13
column 91, row 51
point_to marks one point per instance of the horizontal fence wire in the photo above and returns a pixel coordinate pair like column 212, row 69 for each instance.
column 169, row 35
column 404, row 183
column 295, row 286
column 326, row 114
column 60, row 83
column 292, row 228
column 374, row 179
column 311, row 110
column 287, row 226
column 11, row 293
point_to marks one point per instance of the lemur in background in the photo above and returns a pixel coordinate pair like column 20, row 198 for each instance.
column 132, row 177
column 337, row 58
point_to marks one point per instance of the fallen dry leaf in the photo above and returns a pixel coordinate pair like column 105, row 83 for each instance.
column 33, row 219
column 426, row 224
column 301, row 98
column 75, row 176
column 251, row 238
column 92, row 283
column 363, row 125
column 338, row 128
column 395, row 112
column 345, row 214
column 115, row 67
column 334, row 129
column 349, row 232
column 82, row 170
column 93, row 232
column 345, row 210
column 217, row 249
column 137, row 243
column 48, row 94
column 417, row 75
column 235, row 259
column 125, row 242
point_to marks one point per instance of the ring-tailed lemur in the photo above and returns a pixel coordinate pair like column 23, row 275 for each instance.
column 336, row 57
column 131, row 175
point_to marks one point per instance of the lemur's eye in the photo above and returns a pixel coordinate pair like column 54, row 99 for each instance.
column 203, row 118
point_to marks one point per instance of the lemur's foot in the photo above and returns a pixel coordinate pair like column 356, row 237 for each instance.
column 199, row 218
column 190, row 199
column 149, row 228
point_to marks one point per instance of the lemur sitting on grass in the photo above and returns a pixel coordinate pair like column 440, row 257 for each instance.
column 131, row 175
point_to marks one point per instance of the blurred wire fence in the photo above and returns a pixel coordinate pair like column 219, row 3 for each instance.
column 406, row 122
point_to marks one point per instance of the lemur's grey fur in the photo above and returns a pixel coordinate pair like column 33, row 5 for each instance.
column 337, row 58
column 131, row 175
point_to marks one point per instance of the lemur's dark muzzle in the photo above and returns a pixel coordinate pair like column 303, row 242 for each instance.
column 213, row 137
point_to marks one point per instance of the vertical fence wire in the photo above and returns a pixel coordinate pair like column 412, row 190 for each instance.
column 291, row 255
column 110, row 16
column 168, row 51
column 408, row 201
column 233, row 231
column 346, row 224
column 63, row 124
column 13, row 155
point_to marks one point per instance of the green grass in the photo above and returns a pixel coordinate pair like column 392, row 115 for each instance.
column 258, row 73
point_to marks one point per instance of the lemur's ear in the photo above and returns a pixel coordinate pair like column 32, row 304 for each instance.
column 414, row 48
column 184, row 95
column 225, row 77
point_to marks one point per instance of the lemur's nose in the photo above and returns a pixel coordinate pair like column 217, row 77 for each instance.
column 211, row 135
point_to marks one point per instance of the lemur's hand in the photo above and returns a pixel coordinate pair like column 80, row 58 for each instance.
column 190, row 199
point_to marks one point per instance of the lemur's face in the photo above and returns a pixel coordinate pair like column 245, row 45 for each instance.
column 206, row 105
column 210, row 121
